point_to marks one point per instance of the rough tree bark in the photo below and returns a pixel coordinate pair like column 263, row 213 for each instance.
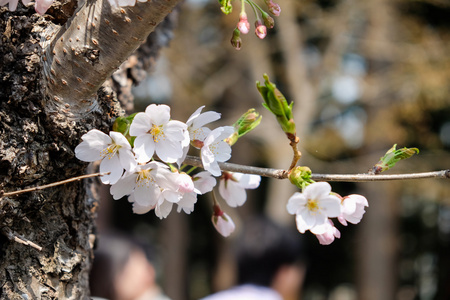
column 51, row 73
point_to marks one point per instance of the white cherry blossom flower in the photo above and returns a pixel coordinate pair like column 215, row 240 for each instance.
column 326, row 233
column 114, row 151
column 144, row 183
column 196, row 130
column 222, row 222
column 353, row 209
column 314, row 206
column 197, row 121
column 155, row 132
column 215, row 149
column 232, row 187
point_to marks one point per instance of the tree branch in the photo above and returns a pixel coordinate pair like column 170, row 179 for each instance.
column 266, row 172
column 283, row 174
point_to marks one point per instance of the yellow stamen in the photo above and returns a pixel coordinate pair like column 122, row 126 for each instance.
column 312, row 205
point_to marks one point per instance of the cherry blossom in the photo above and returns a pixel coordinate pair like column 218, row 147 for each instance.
column 326, row 233
column 114, row 151
column 215, row 149
column 196, row 130
column 222, row 222
column 313, row 206
column 232, row 187
column 155, row 132
column 144, row 183
column 197, row 121
column 353, row 209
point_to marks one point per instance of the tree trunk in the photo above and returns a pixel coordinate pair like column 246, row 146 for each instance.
column 48, row 235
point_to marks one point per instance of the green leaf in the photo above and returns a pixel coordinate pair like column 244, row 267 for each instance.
column 391, row 157
column 122, row 125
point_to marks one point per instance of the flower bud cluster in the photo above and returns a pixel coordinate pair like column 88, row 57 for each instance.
column 314, row 207
column 243, row 26
column 139, row 159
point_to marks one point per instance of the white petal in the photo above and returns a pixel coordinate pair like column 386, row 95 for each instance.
column 141, row 124
column 194, row 115
column 144, row 148
column 168, row 150
column 296, row 201
column 85, row 152
column 174, row 130
column 222, row 152
column 204, row 182
column 301, row 224
column 214, row 168
column 163, row 209
column 159, row 114
column 127, row 159
column 119, row 139
column 317, row 190
column 124, row 186
column 247, row 181
column 187, row 203
column 232, row 193
column 111, row 165
column 205, row 118
column 331, row 205
column 147, row 195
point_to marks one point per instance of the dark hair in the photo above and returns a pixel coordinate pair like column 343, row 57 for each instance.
column 264, row 247
column 110, row 257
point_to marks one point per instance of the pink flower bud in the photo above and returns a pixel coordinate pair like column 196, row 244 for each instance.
column 261, row 30
column 243, row 25
column 274, row 8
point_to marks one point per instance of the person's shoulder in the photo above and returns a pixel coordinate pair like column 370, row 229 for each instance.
column 245, row 292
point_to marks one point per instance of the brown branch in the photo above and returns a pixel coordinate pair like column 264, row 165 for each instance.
column 266, row 172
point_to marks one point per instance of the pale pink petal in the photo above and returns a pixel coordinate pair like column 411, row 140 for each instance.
column 41, row 6
column 223, row 224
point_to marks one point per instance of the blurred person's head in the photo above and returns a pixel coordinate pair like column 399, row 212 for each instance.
column 122, row 270
column 270, row 255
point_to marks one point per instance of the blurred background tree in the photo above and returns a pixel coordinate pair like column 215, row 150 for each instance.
column 363, row 75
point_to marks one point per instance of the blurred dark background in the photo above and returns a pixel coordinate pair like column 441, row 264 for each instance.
column 364, row 75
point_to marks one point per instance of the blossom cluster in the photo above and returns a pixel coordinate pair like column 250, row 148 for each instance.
column 317, row 204
column 141, row 163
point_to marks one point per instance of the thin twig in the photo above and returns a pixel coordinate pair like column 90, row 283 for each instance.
column 283, row 174
column 20, row 239
column 41, row 187
column 266, row 172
